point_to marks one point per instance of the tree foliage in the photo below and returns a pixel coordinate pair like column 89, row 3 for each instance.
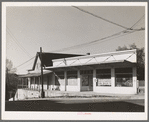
column 140, row 59
column 11, row 78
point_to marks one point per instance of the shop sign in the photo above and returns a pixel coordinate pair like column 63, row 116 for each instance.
column 104, row 82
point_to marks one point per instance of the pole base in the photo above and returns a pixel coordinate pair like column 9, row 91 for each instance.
column 43, row 94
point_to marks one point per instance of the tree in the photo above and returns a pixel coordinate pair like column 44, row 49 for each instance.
column 140, row 59
column 11, row 78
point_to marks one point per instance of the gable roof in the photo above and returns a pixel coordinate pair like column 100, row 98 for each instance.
column 48, row 57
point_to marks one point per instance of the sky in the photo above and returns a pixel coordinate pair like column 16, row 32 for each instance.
column 56, row 27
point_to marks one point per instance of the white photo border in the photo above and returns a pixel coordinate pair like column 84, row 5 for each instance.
column 16, row 115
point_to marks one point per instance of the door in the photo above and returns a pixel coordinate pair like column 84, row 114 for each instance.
column 86, row 82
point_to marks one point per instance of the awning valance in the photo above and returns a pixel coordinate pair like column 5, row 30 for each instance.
column 121, row 63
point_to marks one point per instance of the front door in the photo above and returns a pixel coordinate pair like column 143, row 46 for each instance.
column 86, row 82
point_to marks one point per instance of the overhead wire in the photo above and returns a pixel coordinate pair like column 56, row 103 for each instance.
column 100, row 17
column 25, row 62
column 131, row 30
column 125, row 32
column 101, row 40
column 17, row 42
column 26, row 65
column 137, row 22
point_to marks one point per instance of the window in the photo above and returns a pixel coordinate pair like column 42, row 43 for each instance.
column 72, row 78
column 83, row 72
column 103, row 77
column 123, row 77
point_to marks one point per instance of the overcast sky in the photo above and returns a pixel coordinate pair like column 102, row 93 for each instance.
column 54, row 28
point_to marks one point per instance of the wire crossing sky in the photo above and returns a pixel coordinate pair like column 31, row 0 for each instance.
column 100, row 17
column 65, row 29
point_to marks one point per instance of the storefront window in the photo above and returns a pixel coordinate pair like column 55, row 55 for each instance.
column 103, row 77
column 123, row 77
column 72, row 78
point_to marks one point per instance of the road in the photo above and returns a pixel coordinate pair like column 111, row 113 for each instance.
column 77, row 104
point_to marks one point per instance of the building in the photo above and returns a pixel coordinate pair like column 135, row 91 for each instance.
column 113, row 72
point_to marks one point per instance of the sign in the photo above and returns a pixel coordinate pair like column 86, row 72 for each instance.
column 104, row 82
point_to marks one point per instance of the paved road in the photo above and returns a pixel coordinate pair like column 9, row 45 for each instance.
column 81, row 105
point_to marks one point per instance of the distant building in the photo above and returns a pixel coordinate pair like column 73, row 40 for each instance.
column 110, row 73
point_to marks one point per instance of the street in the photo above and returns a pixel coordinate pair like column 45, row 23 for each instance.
column 77, row 104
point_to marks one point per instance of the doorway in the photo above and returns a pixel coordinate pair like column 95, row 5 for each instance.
column 87, row 82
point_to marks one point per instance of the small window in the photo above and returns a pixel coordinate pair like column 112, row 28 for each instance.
column 71, row 72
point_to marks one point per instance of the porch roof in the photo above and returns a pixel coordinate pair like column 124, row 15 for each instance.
column 35, row 74
column 119, row 63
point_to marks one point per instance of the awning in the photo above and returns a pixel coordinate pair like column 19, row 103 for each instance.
column 120, row 63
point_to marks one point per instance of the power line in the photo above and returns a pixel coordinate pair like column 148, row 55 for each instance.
column 101, row 40
column 137, row 21
column 100, row 17
column 21, row 47
column 25, row 62
column 27, row 65
column 125, row 32
column 130, row 30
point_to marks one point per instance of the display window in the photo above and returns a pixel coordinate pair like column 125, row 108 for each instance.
column 103, row 77
column 123, row 77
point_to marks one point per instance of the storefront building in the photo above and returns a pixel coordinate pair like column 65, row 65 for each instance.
column 113, row 72
column 108, row 73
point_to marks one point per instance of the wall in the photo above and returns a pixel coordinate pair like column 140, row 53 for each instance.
column 22, row 94
column 115, row 90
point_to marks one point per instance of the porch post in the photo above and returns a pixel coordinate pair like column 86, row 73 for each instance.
column 22, row 82
column 135, row 79
column 34, row 82
column 79, row 80
column 53, row 81
column 94, row 79
column 29, row 83
column 65, row 78
column 47, row 82
column 112, row 77
column 39, row 83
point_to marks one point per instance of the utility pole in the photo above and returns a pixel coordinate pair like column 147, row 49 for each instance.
column 42, row 92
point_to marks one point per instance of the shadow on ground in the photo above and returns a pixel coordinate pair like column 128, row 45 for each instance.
column 50, row 105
